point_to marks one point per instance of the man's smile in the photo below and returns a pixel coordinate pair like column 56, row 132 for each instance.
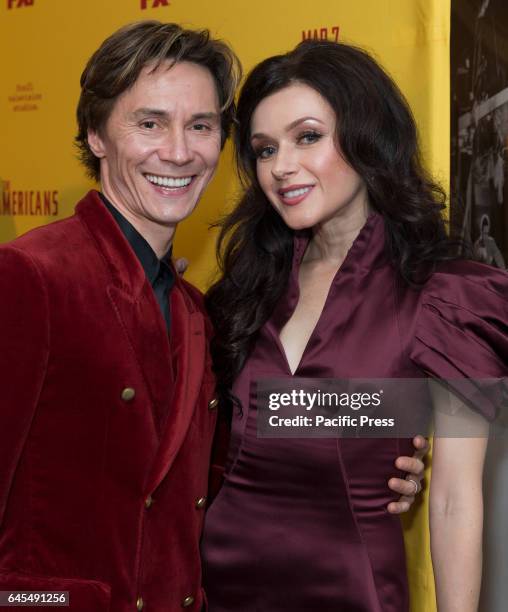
column 169, row 181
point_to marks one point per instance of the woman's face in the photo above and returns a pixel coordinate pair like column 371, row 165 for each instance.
column 298, row 163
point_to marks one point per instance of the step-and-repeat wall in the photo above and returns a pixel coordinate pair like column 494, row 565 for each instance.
column 44, row 45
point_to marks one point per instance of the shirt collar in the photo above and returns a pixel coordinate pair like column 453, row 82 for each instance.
column 143, row 251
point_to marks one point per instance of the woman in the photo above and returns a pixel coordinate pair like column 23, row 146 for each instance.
column 336, row 264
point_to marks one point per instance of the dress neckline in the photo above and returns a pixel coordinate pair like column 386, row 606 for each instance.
column 366, row 252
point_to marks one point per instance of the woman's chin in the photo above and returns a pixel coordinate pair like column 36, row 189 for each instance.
column 297, row 223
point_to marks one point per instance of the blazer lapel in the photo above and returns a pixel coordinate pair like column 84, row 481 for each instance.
column 188, row 342
column 146, row 330
column 133, row 302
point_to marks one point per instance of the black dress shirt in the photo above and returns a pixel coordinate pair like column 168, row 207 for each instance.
column 158, row 271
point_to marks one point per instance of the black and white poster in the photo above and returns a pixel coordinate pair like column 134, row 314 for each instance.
column 479, row 127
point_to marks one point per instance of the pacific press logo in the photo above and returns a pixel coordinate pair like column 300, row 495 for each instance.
column 28, row 202
column 323, row 33
column 19, row 3
column 146, row 4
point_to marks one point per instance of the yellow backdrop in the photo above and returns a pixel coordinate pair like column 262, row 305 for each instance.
column 44, row 46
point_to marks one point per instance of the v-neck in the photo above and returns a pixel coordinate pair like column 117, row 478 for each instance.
column 358, row 255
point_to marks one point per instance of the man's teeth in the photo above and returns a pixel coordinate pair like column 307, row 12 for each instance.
column 296, row 192
column 166, row 181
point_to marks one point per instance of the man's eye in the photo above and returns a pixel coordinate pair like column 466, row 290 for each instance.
column 149, row 125
column 201, row 127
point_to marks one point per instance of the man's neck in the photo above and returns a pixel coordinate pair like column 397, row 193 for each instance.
column 159, row 237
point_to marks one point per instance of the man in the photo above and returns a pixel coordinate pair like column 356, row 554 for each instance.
column 107, row 420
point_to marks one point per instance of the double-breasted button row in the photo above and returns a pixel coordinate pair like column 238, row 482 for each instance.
column 212, row 404
column 200, row 502
column 186, row 603
column 128, row 394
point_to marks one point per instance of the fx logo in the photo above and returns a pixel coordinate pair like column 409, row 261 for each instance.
column 19, row 3
column 153, row 4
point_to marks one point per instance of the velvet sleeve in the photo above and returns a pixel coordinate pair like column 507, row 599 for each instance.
column 461, row 333
column 24, row 348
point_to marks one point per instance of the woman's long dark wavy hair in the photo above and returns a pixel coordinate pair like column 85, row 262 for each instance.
column 377, row 135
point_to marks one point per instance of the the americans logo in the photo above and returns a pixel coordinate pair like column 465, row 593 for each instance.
column 28, row 202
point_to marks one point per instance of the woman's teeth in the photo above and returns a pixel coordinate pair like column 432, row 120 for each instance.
column 296, row 192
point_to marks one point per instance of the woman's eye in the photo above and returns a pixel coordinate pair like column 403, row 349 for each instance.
column 265, row 152
column 309, row 137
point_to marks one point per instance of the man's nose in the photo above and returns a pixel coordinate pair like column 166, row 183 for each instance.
column 176, row 148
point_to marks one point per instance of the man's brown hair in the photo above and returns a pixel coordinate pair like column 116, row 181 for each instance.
column 117, row 63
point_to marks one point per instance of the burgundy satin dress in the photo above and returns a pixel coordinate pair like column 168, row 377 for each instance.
column 301, row 524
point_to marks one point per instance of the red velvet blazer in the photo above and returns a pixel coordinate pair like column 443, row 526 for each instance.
column 106, row 425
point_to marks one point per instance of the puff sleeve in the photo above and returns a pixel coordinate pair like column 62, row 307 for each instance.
column 461, row 332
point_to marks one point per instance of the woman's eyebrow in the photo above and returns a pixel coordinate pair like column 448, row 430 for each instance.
column 289, row 127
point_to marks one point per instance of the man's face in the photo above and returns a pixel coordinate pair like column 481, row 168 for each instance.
column 160, row 146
